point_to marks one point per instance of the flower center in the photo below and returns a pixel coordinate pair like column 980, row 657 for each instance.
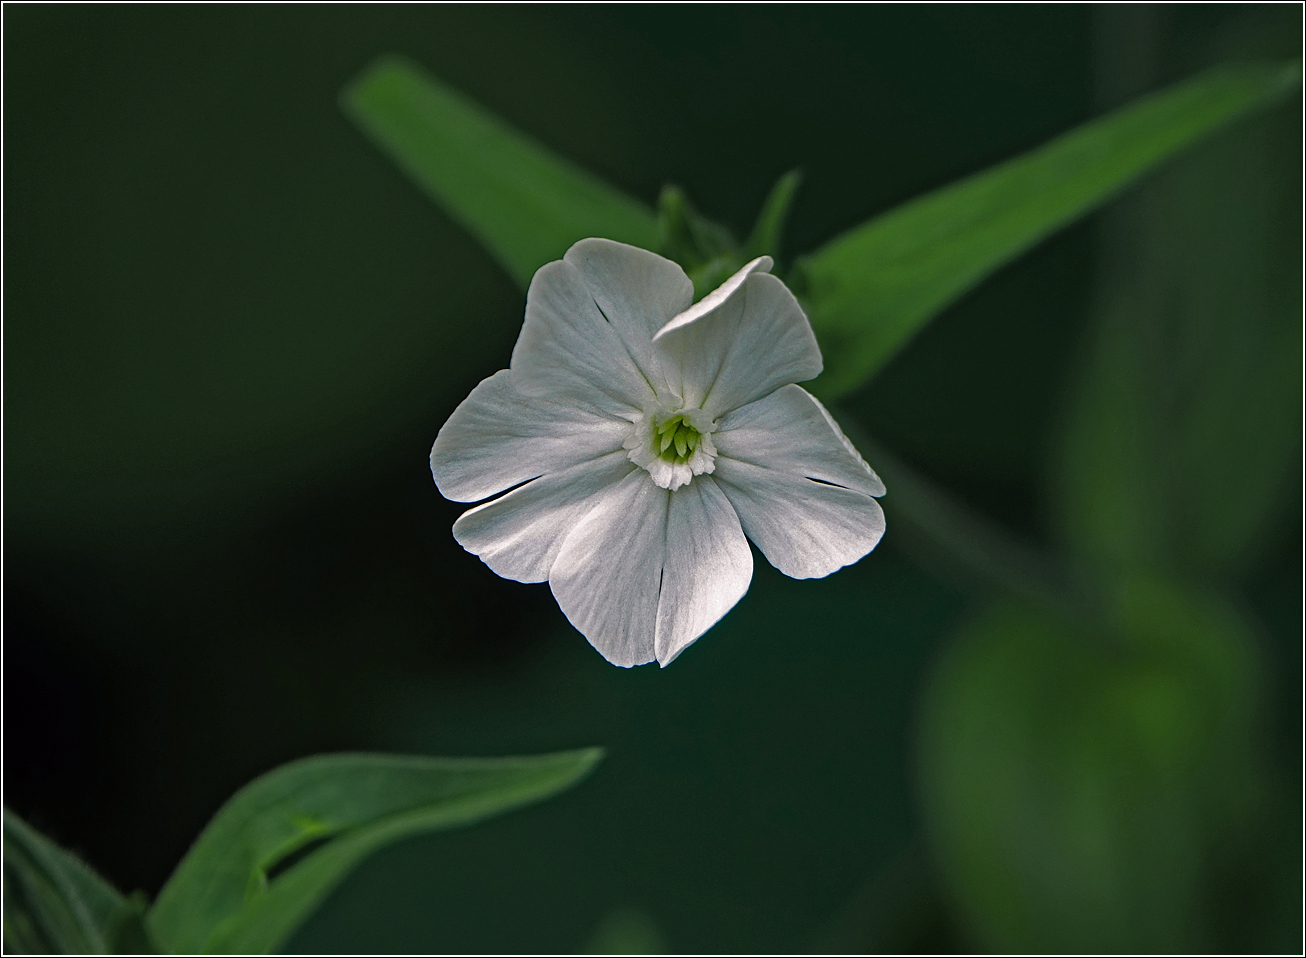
column 676, row 440
column 674, row 445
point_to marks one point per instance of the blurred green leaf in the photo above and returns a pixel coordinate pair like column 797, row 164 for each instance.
column 274, row 851
column 1081, row 782
column 55, row 903
column 706, row 250
column 767, row 231
column 626, row 931
column 525, row 204
column 1186, row 418
column 874, row 287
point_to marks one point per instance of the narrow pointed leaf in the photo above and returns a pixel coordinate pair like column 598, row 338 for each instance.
column 283, row 842
column 705, row 250
column 871, row 289
column 525, row 204
column 767, row 231
column 53, row 901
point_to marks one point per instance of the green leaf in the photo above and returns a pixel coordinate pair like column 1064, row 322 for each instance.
column 706, row 250
column 1083, row 783
column 874, row 287
column 55, row 903
column 525, row 204
column 626, row 931
column 765, row 239
column 280, row 844
column 1194, row 364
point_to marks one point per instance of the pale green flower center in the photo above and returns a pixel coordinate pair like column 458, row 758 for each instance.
column 676, row 440
column 674, row 443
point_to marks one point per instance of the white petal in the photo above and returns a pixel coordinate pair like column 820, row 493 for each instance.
column 805, row 529
column 567, row 349
column 648, row 571
column 638, row 292
column 707, row 570
column 748, row 344
column 791, row 431
column 497, row 438
column 590, row 320
column 607, row 574
column 722, row 293
column 519, row 534
column 802, row 493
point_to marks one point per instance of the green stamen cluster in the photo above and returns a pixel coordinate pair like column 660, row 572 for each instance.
column 676, row 439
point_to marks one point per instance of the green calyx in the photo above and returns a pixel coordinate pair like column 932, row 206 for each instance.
column 676, row 440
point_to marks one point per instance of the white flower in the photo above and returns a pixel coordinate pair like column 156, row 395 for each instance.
column 642, row 438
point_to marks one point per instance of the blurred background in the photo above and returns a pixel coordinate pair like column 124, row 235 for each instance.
column 233, row 328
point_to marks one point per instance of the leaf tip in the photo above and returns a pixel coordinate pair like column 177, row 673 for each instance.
column 378, row 70
column 589, row 758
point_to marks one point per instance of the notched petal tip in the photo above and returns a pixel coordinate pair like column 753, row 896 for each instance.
column 876, row 487
column 708, row 567
column 606, row 574
column 803, row 493
column 667, row 658
column 569, row 351
column 637, row 289
column 619, row 664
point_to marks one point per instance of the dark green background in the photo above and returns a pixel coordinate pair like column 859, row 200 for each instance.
column 232, row 330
